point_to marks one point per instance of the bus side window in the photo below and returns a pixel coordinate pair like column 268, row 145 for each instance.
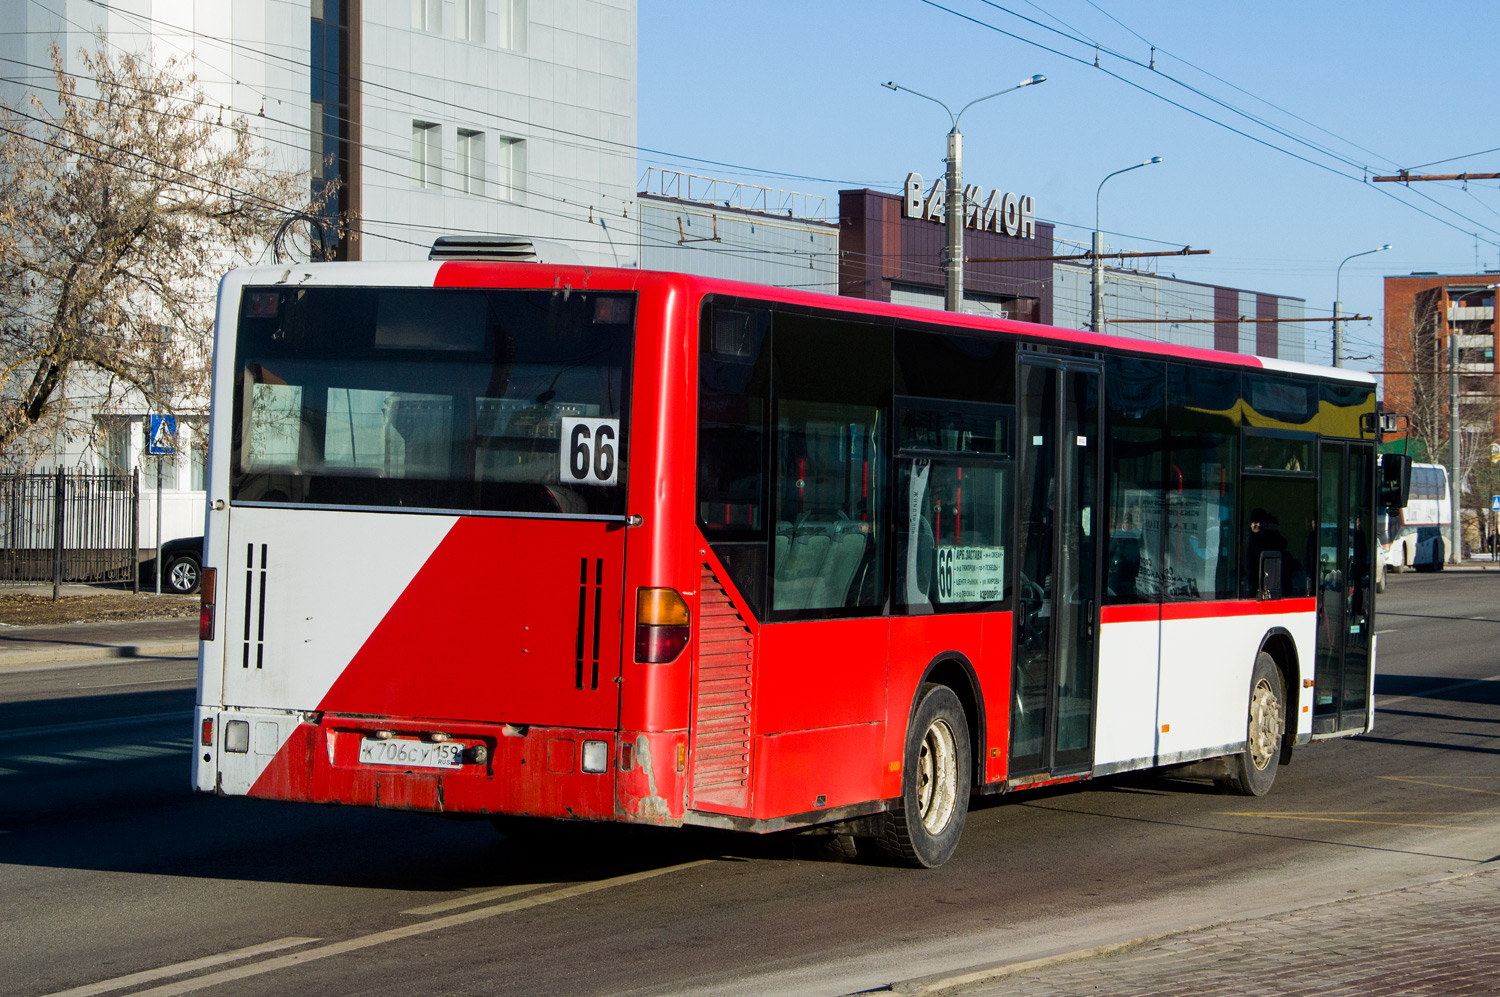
column 831, row 381
column 1135, row 391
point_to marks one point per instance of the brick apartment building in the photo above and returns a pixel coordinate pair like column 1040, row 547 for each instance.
column 1422, row 312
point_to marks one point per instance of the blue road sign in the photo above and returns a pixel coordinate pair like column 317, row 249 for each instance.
column 163, row 439
column 1495, row 503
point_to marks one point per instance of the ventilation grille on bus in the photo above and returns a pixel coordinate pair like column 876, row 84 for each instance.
column 721, row 714
column 502, row 248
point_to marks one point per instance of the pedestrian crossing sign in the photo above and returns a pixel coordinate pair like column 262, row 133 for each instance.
column 162, row 441
column 1495, row 503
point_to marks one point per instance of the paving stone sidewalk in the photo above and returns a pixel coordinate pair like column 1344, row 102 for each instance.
column 1436, row 938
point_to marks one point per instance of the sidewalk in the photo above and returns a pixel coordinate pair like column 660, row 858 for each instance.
column 1436, row 937
column 75, row 642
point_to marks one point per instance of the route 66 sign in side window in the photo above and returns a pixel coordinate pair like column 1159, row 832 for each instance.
column 590, row 451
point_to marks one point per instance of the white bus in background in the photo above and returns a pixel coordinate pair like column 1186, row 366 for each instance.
column 1417, row 536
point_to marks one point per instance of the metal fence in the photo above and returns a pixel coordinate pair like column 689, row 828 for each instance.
column 63, row 527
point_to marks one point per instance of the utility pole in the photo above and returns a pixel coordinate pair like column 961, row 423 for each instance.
column 1455, row 440
column 953, row 195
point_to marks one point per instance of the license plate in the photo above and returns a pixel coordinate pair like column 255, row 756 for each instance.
column 423, row 754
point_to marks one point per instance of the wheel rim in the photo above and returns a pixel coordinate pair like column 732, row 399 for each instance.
column 1265, row 725
column 937, row 777
column 183, row 576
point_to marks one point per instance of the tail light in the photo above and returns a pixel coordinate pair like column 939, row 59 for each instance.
column 206, row 595
column 661, row 625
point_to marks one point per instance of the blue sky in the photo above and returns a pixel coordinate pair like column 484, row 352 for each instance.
column 787, row 95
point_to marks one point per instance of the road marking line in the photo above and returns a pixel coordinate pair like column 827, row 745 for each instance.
column 478, row 898
column 177, row 969
column 1393, row 631
column 1421, row 780
column 397, row 934
column 42, row 759
column 1336, row 820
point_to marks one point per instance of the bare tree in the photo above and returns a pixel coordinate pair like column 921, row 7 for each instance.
column 121, row 201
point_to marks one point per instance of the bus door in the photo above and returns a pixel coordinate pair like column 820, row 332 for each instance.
column 1053, row 662
column 1341, row 680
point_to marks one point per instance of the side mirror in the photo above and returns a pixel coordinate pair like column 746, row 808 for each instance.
column 1395, row 480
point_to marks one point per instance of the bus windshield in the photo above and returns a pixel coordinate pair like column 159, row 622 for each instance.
column 497, row 401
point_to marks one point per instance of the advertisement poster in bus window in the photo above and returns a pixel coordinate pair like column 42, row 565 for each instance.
column 1133, row 571
column 1194, row 520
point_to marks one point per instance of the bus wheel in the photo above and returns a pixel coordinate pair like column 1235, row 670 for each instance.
column 1252, row 771
column 923, row 828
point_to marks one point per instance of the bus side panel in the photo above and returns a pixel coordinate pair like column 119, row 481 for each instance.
column 807, row 770
column 983, row 641
column 1204, row 689
column 1129, row 667
column 815, row 675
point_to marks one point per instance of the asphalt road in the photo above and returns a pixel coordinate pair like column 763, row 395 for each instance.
column 113, row 874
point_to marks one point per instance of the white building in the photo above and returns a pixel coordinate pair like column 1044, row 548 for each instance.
column 438, row 117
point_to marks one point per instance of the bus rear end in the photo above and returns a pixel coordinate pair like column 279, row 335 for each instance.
column 417, row 535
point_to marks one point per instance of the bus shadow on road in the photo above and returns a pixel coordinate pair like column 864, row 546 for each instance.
column 1483, row 692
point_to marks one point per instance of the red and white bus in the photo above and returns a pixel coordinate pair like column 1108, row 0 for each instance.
column 522, row 540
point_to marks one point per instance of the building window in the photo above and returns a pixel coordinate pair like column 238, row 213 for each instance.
column 512, row 25
column 471, row 20
column 426, row 154
column 511, row 167
column 114, row 443
column 427, row 15
column 471, row 161
column 328, row 121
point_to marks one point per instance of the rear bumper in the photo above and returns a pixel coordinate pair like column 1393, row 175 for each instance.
column 512, row 769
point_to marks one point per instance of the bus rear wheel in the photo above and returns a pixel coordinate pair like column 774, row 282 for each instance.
column 924, row 826
column 1253, row 770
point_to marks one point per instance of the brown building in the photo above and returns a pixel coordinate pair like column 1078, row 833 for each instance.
column 1424, row 314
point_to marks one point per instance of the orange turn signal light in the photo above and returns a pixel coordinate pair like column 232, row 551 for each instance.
column 660, row 608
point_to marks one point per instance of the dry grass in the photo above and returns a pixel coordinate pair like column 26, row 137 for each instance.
column 26, row 609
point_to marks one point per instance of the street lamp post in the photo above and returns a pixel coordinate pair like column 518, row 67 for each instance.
column 953, row 199
column 1338, row 304
column 1097, row 283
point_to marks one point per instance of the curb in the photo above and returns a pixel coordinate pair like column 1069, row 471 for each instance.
column 73, row 653
column 954, row 983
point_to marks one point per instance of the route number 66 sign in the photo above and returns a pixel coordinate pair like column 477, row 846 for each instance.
column 590, row 451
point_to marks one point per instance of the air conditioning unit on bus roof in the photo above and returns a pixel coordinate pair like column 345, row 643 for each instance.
column 506, row 248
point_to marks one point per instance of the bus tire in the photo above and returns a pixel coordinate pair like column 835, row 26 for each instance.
column 923, row 827
column 1253, row 770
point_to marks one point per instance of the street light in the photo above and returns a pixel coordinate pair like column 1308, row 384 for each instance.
column 1338, row 305
column 953, row 254
column 1098, row 260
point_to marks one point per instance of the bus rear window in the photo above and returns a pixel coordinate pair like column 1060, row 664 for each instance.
column 433, row 399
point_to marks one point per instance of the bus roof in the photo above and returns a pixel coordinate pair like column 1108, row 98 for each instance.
column 475, row 273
